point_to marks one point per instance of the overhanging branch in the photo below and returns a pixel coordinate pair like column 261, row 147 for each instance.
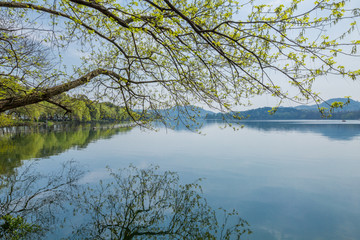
column 46, row 94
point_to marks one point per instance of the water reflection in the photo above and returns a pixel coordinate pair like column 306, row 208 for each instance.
column 132, row 204
column 332, row 129
column 335, row 130
column 23, row 143
column 148, row 204
column 30, row 202
column 285, row 178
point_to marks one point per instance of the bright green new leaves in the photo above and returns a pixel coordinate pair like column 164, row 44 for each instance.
column 154, row 54
column 16, row 228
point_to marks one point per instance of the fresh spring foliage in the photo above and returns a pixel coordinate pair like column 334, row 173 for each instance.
column 16, row 228
column 154, row 54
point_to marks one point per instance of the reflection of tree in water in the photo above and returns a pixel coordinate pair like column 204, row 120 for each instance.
column 135, row 204
column 145, row 204
column 39, row 143
column 30, row 201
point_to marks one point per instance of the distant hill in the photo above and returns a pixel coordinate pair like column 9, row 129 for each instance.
column 351, row 106
column 183, row 113
column 349, row 111
column 183, row 117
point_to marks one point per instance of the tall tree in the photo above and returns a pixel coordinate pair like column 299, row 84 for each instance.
column 158, row 53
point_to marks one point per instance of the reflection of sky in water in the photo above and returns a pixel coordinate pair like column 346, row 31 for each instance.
column 289, row 181
column 332, row 129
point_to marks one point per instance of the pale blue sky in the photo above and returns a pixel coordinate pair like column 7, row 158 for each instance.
column 328, row 86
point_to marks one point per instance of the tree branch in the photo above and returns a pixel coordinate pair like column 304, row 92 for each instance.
column 67, row 110
column 46, row 94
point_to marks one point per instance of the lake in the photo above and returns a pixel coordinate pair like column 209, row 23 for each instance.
column 287, row 179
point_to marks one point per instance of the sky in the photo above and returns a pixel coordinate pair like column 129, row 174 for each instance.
column 328, row 86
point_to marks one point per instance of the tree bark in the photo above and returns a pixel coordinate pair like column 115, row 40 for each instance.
column 46, row 94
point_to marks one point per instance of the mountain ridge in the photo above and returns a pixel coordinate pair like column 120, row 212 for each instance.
column 351, row 110
column 352, row 105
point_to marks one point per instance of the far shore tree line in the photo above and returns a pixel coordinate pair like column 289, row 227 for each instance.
column 284, row 114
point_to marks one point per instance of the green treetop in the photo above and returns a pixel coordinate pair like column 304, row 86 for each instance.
column 153, row 54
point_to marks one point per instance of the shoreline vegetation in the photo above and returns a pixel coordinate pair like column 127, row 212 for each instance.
column 72, row 109
column 86, row 111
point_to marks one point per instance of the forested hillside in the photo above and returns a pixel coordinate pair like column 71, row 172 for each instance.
column 350, row 109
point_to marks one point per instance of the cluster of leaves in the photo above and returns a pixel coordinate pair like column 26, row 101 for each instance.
column 155, row 54
column 16, row 228
column 7, row 121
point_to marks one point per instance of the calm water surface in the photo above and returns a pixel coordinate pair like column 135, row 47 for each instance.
column 288, row 179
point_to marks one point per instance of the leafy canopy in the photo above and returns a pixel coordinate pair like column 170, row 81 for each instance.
column 152, row 54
